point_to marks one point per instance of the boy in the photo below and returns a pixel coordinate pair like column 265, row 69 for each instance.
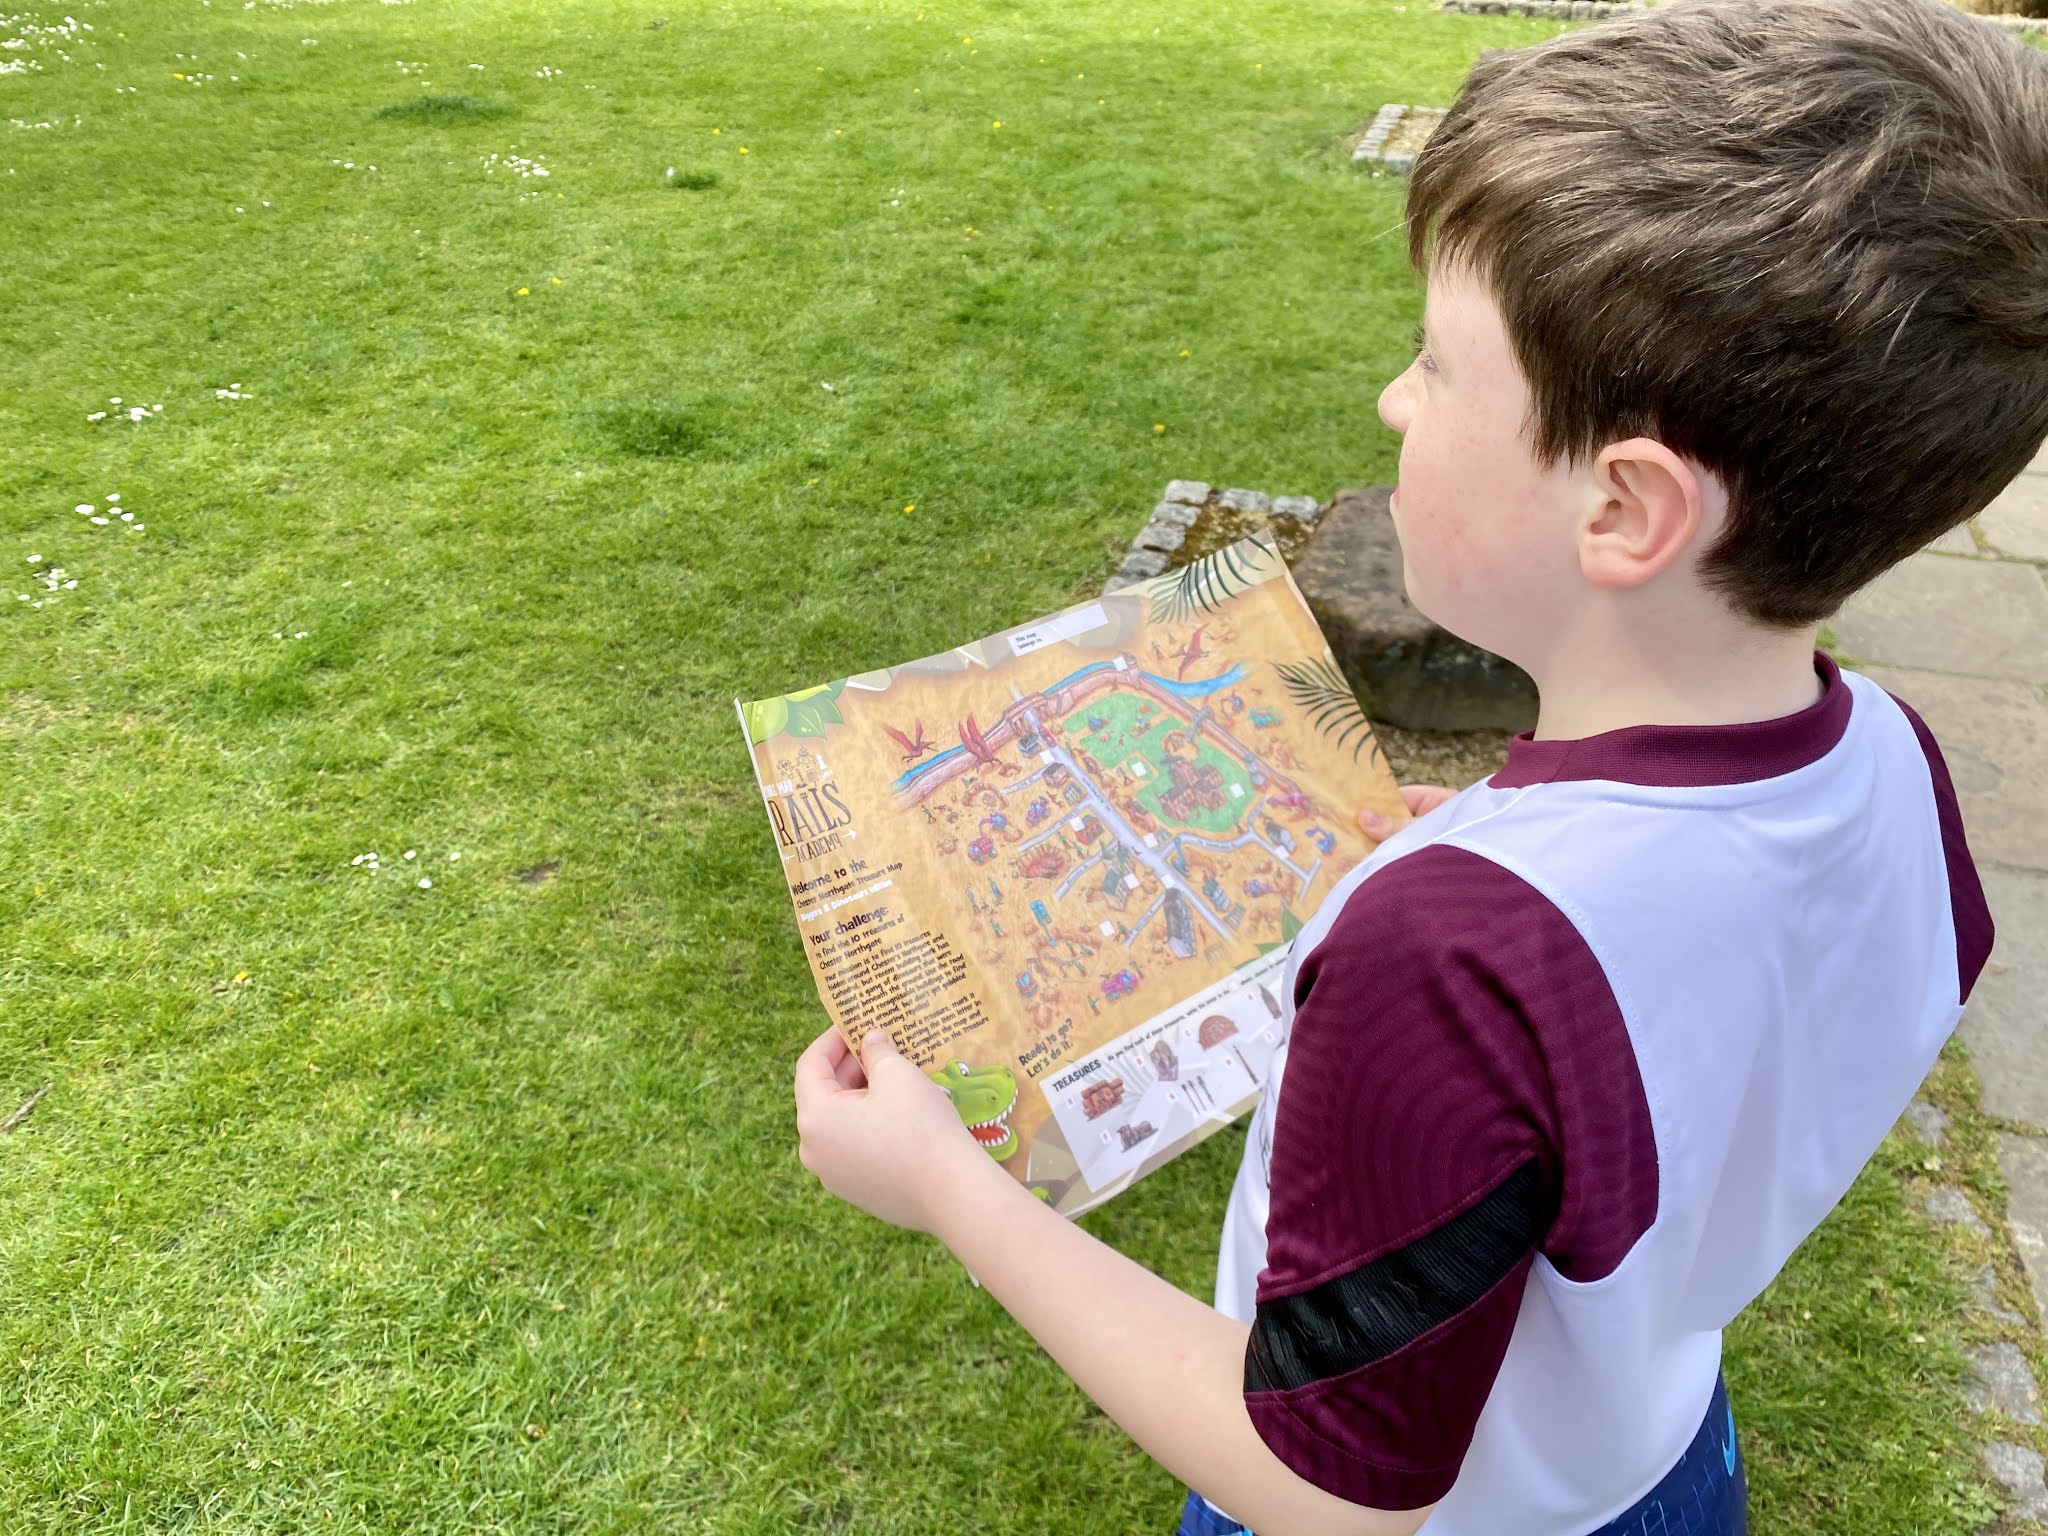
column 1732, row 304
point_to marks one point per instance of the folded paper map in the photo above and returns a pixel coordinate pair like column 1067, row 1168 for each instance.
column 1062, row 865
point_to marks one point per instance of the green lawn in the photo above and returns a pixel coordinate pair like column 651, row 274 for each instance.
column 359, row 1203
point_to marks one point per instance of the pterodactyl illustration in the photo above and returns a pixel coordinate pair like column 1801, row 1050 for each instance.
column 1192, row 652
column 912, row 750
column 970, row 738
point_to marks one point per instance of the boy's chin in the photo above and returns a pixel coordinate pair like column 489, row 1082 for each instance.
column 1418, row 594
column 1470, row 628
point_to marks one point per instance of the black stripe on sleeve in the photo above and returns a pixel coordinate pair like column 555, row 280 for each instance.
column 1369, row 1312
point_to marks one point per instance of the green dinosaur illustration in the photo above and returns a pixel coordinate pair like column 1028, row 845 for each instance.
column 983, row 1098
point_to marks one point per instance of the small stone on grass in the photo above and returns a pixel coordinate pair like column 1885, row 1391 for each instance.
column 1984, row 1286
column 1951, row 1208
column 2000, row 1379
column 1926, row 1123
column 2018, row 1471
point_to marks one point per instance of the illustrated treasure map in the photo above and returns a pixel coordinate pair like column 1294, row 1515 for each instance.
column 1062, row 865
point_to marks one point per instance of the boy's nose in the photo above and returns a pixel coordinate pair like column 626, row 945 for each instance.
column 1394, row 406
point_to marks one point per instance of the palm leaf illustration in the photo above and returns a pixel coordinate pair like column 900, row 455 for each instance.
column 1290, row 925
column 1205, row 585
column 1322, row 693
column 796, row 714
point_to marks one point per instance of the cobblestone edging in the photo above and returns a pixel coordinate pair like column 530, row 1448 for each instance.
column 1396, row 135
column 2001, row 1384
column 1155, row 545
column 1383, row 123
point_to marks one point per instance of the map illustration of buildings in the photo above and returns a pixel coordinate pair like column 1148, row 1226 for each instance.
column 1119, row 827
column 1040, row 850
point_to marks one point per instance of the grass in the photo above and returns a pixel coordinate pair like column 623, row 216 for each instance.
column 359, row 1205
column 440, row 109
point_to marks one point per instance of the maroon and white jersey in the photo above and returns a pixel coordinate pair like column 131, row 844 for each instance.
column 1574, row 1063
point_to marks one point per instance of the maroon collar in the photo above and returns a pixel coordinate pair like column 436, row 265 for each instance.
column 1689, row 756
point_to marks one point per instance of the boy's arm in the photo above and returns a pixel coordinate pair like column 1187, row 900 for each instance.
column 1164, row 1366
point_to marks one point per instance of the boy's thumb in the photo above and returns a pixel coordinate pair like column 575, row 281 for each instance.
column 879, row 1058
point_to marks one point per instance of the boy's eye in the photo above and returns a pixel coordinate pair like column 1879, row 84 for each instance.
column 1422, row 356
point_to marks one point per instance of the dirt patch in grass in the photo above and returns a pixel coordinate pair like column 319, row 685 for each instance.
column 442, row 109
column 661, row 431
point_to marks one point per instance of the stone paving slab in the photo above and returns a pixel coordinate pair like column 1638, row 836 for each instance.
column 1985, row 617
column 2017, row 1469
column 2002, row 1382
column 1948, row 1207
column 2016, row 522
column 1994, row 737
column 2023, row 1162
column 1956, row 541
column 2007, row 1020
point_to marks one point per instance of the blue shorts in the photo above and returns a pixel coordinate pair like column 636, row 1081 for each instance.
column 1704, row 1495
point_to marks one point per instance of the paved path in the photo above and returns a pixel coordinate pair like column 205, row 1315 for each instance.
column 1960, row 632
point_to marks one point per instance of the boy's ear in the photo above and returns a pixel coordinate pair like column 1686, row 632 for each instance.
column 1646, row 508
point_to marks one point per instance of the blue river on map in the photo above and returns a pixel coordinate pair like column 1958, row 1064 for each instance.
column 1199, row 688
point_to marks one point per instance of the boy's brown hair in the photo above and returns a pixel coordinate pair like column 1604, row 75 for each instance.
column 1802, row 242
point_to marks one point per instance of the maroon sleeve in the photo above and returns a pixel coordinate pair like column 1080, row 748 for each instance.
column 1965, row 891
column 1459, row 1095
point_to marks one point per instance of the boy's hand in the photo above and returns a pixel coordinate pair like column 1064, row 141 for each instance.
column 1420, row 799
column 882, row 1136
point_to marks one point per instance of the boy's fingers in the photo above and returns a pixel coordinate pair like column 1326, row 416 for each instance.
column 817, row 1068
column 1421, row 799
column 882, row 1060
column 849, row 1072
column 1377, row 827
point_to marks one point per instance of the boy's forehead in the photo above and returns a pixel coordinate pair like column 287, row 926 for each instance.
column 1456, row 300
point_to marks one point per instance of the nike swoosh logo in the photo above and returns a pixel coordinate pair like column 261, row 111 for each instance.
column 1728, row 1450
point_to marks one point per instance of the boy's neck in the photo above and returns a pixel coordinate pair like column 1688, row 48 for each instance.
column 1718, row 675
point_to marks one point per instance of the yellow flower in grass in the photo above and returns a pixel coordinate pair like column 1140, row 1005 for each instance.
column 522, row 293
